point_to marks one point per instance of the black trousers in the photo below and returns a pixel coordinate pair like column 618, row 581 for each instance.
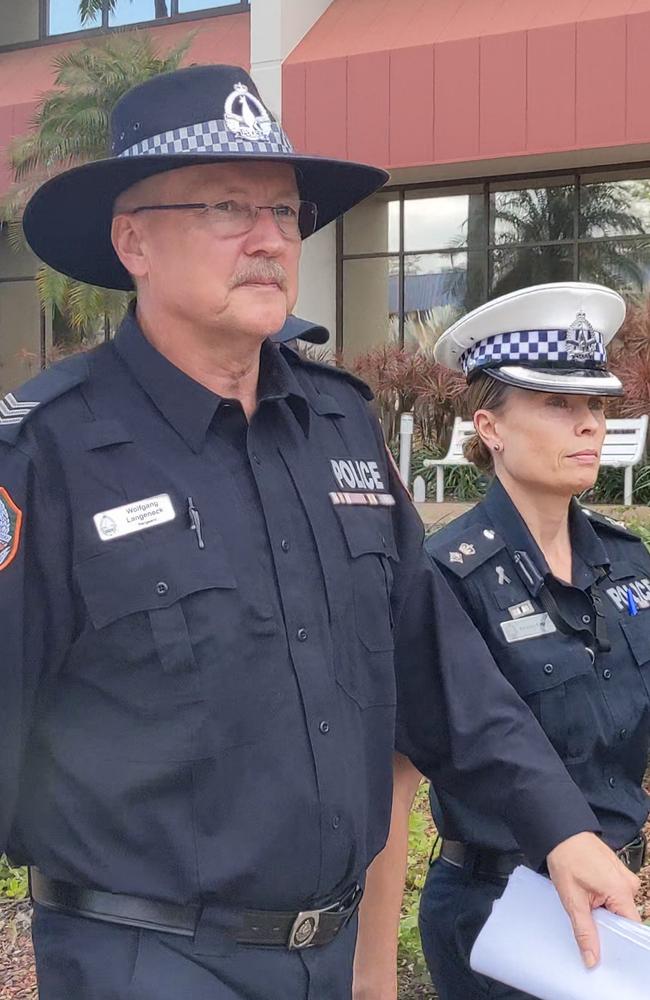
column 81, row 959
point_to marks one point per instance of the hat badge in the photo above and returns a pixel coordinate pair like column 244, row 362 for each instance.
column 245, row 115
column 581, row 339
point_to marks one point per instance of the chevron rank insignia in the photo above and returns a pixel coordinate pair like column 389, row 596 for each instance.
column 14, row 411
column 10, row 522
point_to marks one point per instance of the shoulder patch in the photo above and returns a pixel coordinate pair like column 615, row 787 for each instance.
column 462, row 550
column 11, row 518
column 297, row 361
column 609, row 524
column 17, row 407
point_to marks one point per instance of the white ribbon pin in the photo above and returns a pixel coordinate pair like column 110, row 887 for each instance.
column 501, row 576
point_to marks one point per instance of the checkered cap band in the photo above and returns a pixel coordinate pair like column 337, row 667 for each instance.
column 524, row 346
column 209, row 137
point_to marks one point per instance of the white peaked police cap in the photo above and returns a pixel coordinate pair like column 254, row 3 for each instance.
column 547, row 337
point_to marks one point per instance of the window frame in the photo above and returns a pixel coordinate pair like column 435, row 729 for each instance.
column 234, row 7
column 576, row 176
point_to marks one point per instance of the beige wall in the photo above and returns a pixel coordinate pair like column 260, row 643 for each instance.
column 365, row 305
column 18, row 21
column 20, row 333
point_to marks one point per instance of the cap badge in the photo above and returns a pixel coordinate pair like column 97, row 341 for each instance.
column 581, row 339
column 245, row 115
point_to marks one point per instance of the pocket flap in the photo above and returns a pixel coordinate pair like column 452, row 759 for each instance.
column 135, row 577
column 636, row 630
column 368, row 529
column 531, row 671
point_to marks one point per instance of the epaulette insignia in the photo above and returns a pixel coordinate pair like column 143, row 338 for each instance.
column 617, row 527
column 464, row 549
column 43, row 388
column 13, row 411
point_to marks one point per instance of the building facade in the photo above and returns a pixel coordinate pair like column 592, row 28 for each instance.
column 517, row 135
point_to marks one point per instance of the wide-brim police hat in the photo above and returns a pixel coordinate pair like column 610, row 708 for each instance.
column 296, row 328
column 548, row 337
column 198, row 115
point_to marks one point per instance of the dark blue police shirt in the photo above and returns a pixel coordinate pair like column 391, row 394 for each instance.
column 596, row 714
column 181, row 721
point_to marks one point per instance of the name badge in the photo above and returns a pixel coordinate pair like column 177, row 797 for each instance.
column 527, row 628
column 137, row 516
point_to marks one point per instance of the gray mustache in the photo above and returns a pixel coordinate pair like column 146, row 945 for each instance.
column 262, row 270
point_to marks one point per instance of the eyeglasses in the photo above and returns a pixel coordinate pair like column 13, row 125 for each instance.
column 236, row 218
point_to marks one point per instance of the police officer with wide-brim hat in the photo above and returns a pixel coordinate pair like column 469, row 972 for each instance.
column 560, row 593
column 205, row 551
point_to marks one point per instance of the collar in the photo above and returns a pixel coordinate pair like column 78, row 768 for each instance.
column 186, row 404
column 584, row 541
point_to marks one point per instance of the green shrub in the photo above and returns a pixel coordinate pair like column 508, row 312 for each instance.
column 13, row 881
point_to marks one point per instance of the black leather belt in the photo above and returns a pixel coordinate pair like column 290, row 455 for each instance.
column 498, row 864
column 265, row 928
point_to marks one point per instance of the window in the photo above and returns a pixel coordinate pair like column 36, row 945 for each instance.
column 123, row 12
column 433, row 253
column 64, row 17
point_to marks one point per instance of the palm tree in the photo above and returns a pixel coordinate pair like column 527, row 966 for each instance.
column 71, row 126
column 88, row 9
column 536, row 227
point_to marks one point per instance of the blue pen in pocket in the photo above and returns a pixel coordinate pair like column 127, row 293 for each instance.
column 632, row 608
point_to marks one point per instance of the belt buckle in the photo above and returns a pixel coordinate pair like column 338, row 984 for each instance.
column 304, row 929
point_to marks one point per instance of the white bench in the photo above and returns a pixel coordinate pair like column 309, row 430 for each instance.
column 622, row 449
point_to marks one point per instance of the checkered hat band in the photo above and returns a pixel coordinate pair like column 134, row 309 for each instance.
column 210, row 137
column 525, row 346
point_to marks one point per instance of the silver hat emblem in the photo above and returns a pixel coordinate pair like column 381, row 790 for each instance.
column 582, row 341
column 245, row 115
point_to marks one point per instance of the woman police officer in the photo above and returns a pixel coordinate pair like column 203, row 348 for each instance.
column 560, row 594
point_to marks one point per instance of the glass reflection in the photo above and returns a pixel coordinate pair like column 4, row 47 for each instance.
column 533, row 215
column 624, row 266
column 368, row 320
column 517, row 267
column 442, row 221
column 64, row 17
column 615, row 208
column 134, row 11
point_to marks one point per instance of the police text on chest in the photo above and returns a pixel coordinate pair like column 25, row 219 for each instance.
column 355, row 473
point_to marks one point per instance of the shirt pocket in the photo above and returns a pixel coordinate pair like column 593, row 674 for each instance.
column 148, row 612
column 636, row 629
column 556, row 679
column 370, row 542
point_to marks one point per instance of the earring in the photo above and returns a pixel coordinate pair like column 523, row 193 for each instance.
column 497, row 447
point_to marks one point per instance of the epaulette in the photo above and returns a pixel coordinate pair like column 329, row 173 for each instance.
column 17, row 407
column 462, row 550
column 609, row 524
column 317, row 367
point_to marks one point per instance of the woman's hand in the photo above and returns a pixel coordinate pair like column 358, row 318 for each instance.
column 587, row 874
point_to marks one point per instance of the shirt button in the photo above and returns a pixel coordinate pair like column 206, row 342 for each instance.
column 162, row 588
column 548, row 668
column 612, row 782
column 302, row 634
column 586, row 619
column 336, row 822
column 324, row 727
column 622, row 735
column 607, row 674
column 285, row 545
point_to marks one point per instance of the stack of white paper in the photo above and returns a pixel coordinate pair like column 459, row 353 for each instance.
column 528, row 943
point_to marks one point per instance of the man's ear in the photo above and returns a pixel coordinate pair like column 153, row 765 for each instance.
column 127, row 237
